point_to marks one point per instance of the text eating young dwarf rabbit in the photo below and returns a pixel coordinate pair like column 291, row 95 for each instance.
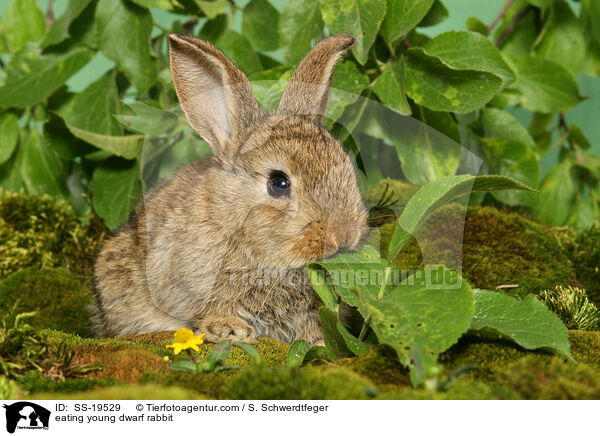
column 278, row 193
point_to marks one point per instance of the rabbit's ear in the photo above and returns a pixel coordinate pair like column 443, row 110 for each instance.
column 215, row 95
column 308, row 90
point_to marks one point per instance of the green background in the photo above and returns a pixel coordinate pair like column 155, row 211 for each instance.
column 586, row 114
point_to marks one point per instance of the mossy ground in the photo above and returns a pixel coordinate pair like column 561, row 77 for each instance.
column 497, row 249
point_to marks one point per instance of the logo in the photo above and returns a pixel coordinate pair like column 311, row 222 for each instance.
column 26, row 415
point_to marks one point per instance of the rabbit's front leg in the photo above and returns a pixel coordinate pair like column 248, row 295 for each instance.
column 218, row 329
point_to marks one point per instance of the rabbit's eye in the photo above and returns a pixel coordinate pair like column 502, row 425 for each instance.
column 279, row 185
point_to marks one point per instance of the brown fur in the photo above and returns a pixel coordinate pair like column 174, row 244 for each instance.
column 210, row 249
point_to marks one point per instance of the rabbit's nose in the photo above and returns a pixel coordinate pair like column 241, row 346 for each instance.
column 343, row 236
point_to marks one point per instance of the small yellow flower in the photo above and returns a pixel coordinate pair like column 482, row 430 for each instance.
column 166, row 358
column 184, row 339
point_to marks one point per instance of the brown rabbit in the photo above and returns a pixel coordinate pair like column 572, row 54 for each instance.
column 278, row 194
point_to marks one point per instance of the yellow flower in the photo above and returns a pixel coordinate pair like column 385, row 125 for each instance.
column 184, row 339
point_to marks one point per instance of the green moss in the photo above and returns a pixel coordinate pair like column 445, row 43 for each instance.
column 573, row 307
column 496, row 249
column 34, row 382
column 39, row 231
column 124, row 392
column 585, row 254
column 211, row 385
column 60, row 299
column 308, row 383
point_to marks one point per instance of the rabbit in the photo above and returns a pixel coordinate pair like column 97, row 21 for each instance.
column 277, row 193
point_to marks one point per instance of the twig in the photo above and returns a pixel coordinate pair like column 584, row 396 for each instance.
column 50, row 13
column 501, row 15
column 188, row 26
column 511, row 26
column 405, row 42
column 562, row 123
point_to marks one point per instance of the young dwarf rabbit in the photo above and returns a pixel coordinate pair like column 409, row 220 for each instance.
column 278, row 193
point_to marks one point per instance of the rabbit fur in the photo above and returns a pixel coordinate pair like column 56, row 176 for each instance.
column 193, row 253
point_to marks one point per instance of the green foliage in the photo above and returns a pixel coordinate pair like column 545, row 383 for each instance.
column 573, row 307
column 461, row 84
column 41, row 232
column 21, row 346
column 399, row 306
column 584, row 251
column 59, row 298
column 299, row 383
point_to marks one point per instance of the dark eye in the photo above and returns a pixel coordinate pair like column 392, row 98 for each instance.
column 279, row 184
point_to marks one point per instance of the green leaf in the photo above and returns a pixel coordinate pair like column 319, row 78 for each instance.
column 318, row 282
column 516, row 160
column 429, row 150
column 358, row 270
column 529, row 322
column 219, row 354
column 255, row 357
column 474, row 24
column 501, row 124
column 545, row 86
column 430, row 82
column 9, row 135
column 260, row 24
column 23, row 23
column 212, row 8
column 11, row 177
column 232, row 44
column 123, row 24
column 31, row 78
column 148, row 120
column 354, row 344
column 402, row 16
column 42, row 170
column 93, row 109
column 299, row 25
column 438, row 193
column 184, row 365
column 359, row 18
column 389, row 87
column 124, row 146
column 116, row 189
column 348, row 83
column 540, row 3
column 575, row 134
column 334, row 341
column 463, row 50
column 297, row 351
column 436, row 15
column 318, row 352
column 60, row 28
column 563, row 38
column 422, row 319
column 557, row 193
column 590, row 16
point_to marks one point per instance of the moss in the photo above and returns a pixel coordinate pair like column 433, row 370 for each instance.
column 380, row 365
column 39, row 231
column 585, row 254
column 34, row 382
column 496, row 249
column 211, row 385
column 573, row 307
column 124, row 392
column 308, row 383
column 531, row 379
column 60, row 299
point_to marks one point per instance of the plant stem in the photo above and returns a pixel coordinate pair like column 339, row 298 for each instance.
column 50, row 13
column 511, row 26
column 386, row 275
column 562, row 123
column 363, row 330
column 501, row 15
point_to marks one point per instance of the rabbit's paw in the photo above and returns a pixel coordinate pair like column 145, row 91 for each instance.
column 228, row 327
